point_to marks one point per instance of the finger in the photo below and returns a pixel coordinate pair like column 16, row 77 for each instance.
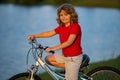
column 28, row 37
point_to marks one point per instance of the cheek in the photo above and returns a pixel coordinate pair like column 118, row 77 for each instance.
column 69, row 18
column 60, row 18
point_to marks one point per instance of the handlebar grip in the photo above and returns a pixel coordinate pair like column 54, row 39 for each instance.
column 52, row 52
column 32, row 41
column 49, row 51
column 45, row 48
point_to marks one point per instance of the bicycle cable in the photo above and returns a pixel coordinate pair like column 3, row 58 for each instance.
column 28, row 55
column 34, row 52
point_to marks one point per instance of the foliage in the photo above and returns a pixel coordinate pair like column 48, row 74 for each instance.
column 86, row 3
column 23, row 2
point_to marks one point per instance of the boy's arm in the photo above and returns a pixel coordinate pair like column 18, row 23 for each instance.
column 45, row 34
column 67, row 43
column 42, row 35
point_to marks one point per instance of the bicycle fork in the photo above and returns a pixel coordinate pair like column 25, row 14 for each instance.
column 32, row 71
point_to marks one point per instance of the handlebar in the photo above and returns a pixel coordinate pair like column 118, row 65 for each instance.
column 35, row 48
column 38, row 46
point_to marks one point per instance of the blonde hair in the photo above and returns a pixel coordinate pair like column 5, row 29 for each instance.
column 69, row 9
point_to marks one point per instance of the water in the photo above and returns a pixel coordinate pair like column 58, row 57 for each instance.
column 100, row 27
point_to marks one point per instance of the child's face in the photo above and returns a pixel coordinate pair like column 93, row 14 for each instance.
column 65, row 18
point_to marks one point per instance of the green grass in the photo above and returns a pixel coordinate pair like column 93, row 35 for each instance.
column 88, row 3
column 98, row 3
column 83, row 3
column 112, row 62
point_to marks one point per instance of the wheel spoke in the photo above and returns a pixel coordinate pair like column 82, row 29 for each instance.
column 104, row 73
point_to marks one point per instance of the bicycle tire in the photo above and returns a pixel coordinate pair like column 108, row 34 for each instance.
column 23, row 76
column 104, row 73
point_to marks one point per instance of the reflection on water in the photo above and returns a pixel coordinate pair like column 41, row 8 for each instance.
column 100, row 27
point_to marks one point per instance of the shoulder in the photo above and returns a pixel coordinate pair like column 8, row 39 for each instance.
column 75, row 26
column 58, row 29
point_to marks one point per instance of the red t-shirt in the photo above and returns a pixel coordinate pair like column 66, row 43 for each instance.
column 64, row 32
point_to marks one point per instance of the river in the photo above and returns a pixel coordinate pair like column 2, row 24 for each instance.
column 100, row 28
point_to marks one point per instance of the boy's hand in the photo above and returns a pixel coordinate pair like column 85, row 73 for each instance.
column 30, row 37
column 49, row 50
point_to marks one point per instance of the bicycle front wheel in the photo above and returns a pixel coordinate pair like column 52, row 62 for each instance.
column 104, row 73
column 23, row 76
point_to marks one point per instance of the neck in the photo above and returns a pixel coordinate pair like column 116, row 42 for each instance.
column 66, row 25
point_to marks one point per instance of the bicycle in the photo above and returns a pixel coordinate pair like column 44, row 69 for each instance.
column 99, row 73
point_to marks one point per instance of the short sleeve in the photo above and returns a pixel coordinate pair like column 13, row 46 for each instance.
column 57, row 30
column 75, row 29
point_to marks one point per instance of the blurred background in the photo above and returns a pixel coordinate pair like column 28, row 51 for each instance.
column 99, row 20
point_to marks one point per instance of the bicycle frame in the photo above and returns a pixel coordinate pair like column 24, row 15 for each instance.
column 54, row 75
column 45, row 66
column 110, row 72
column 48, row 69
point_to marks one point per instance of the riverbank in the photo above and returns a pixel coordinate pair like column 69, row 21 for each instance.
column 112, row 62
column 98, row 3
column 87, row 3
column 82, row 3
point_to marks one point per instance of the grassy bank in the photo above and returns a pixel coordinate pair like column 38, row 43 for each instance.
column 83, row 3
column 112, row 62
column 98, row 3
column 87, row 3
